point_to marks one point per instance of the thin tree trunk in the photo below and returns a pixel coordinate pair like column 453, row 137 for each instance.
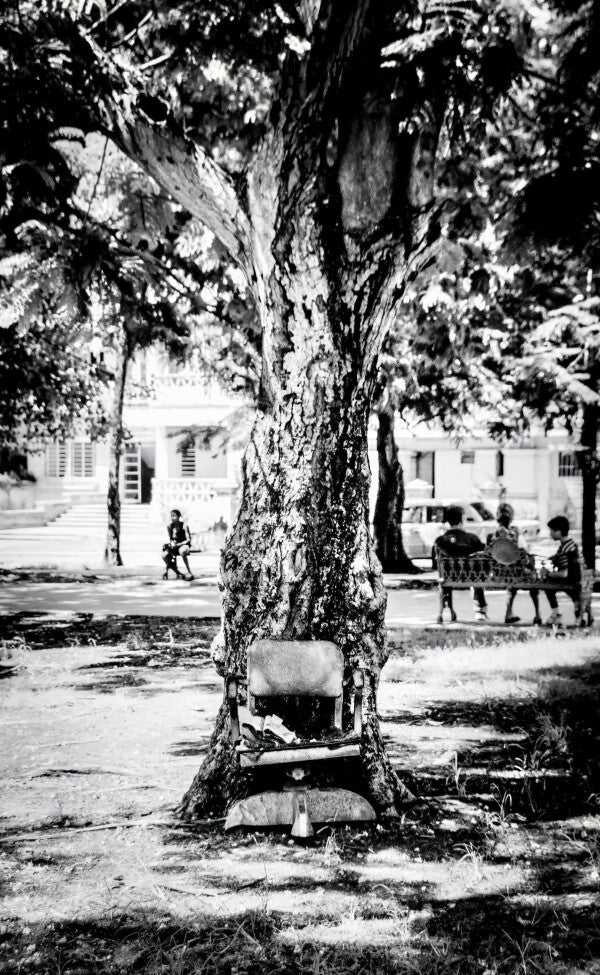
column 112, row 551
column 389, row 508
column 589, row 477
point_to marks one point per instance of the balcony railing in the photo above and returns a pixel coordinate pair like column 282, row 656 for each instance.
column 202, row 501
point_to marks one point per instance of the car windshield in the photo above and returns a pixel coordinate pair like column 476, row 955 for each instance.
column 481, row 510
column 437, row 514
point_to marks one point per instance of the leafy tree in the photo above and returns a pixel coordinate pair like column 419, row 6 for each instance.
column 438, row 365
column 551, row 368
column 537, row 285
column 309, row 139
column 49, row 384
column 119, row 260
column 542, row 172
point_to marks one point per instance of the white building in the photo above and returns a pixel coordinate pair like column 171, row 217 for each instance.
column 161, row 402
column 539, row 475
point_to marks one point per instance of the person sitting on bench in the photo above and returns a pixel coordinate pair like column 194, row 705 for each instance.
column 180, row 543
column 506, row 529
column 566, row 566
column 457, row 541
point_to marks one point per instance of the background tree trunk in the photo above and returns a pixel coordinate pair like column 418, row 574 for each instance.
column 589, row 477
column 389, row 508
column 112, row 551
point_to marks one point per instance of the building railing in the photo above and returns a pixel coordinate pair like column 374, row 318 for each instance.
column 206, row 389
column 175, row 386
column 202, row 501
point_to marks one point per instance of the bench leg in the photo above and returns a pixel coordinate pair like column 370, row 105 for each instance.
column 440, row 618
column 446, row 600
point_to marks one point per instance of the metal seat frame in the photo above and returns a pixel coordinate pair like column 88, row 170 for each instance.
column 271, row 673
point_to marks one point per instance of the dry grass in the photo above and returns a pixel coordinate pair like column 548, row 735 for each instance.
column 430, row 895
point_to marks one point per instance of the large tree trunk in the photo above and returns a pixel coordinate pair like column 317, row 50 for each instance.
column 112, row 551
column 589, row 477
column 329, row 262
column 389, row 508
column 300, row 564
column 300, row 561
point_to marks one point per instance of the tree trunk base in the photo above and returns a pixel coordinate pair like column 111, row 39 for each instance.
column 110, row 559
column 402, row 564
column 220, row 781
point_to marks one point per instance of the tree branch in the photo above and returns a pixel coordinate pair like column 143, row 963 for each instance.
column 308, row 11
column 144, row 127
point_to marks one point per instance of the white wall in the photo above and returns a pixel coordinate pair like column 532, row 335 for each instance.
column 207, row 465
column 454, row 479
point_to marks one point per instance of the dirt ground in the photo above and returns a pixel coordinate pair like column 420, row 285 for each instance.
column 494, row 869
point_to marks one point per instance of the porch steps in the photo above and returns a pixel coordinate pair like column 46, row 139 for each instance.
column 84, row 526
column 78, row 537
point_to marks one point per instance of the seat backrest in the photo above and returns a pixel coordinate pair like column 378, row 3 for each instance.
column 303, row 668
column 505, row 551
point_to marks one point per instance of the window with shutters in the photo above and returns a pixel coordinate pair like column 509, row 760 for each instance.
column 188, row 462
column 568, row 464
column 82, row 459
column 56, row 459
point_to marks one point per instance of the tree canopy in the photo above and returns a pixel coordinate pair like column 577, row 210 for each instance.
column 341, row 156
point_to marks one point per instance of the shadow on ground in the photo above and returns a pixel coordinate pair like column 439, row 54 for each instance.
column 494, row 870
column 479, row 935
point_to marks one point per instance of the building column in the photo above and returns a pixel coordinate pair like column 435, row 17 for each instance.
column 161, row 472
column 544, row 459
column 68, row 461
column 161, row 460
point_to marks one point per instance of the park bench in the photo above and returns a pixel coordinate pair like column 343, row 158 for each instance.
column 296, row 670
column 503, row 565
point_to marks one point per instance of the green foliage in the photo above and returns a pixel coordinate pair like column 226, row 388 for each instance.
column 49, row 382
column 514, row 85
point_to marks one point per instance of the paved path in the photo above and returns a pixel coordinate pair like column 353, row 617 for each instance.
column 75, row 541
column 149, row 596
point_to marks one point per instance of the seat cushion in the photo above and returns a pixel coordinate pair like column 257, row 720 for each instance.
column 303, row 668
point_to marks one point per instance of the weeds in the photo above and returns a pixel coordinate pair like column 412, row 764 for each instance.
column 485, row 935
column 475, row 858
column 457, row 776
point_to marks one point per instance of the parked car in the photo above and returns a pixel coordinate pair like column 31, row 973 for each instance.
column 424, row 522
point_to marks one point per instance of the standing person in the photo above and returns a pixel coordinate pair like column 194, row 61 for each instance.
column 180, row 543
column 507, row 530
column 567, row 567
column 457, row 541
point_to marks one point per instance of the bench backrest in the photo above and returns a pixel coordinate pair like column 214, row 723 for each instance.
column 303, row 668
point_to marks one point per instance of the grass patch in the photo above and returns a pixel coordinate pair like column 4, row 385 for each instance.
column 482, row 935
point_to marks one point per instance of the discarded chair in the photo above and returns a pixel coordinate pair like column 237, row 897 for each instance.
column 294, row 668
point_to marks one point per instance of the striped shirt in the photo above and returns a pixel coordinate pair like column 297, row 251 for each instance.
column 566, row 558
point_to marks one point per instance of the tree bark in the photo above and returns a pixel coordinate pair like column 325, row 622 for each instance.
column 389, row 508
column 329, row 262
column 589, row 477
column 112, row 551
column 328, row 225
column 299, row 564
